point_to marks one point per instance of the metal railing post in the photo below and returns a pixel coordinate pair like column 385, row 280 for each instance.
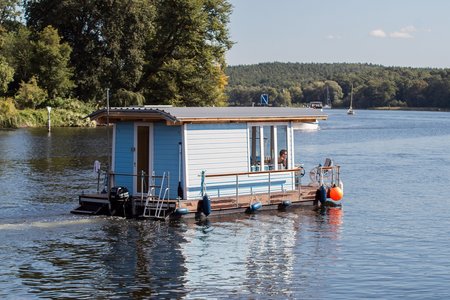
column 142, row 186
column 237, row 190
column 299, row 183
column 110, row 175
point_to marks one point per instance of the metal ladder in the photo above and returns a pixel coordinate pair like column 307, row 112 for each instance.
column 156, row 206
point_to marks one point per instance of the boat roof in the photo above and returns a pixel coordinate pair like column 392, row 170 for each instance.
column 181, row 115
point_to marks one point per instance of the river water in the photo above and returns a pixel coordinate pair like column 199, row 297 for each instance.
column 390, row 240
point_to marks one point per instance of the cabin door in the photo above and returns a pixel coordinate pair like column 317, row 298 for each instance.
column 143, row 159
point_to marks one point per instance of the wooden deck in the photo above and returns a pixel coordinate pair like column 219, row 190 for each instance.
column 99, row 203
column 307, row 194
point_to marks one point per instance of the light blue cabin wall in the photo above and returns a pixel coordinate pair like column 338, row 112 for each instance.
column 166, row 153
column 215, row 148
column 123, row 156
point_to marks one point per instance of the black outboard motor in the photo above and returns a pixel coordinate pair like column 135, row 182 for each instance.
column 119, row 193
column 119, row 198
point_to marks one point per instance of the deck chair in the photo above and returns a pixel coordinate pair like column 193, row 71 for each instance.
column 314, row 174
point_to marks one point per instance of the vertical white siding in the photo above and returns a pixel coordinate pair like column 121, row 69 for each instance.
column 216, row 149
column 224, row 148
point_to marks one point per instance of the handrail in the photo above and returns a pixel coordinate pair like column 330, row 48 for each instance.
column 323, row 171
column 330, row 168
column 125, row 174
column 268, row 172
column 252, row 173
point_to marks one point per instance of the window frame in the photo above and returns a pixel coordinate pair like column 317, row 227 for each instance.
column 261, row 144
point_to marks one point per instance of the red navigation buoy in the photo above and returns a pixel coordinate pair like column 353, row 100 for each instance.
column 336, row 193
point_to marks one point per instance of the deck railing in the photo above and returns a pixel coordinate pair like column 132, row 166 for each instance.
column 295, row 175
column 325, row 175
column 148, row 182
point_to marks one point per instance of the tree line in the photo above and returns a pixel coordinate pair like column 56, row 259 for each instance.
column 63, row 53
column 144, row 51
column 373, row 85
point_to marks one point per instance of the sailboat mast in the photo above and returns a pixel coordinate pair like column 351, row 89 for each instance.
column 351, row 97
column 350, row 109
column 328, row 97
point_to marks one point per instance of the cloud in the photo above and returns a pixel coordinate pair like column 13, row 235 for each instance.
column 400, row 35
column 333, row 37
column 378, row 33
column 403, row 33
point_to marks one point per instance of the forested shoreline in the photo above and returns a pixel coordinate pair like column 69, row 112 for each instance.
column 145, row 52
column 66, row 54
column 374, row 86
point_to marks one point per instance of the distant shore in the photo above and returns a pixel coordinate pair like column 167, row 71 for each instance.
column 408, row 108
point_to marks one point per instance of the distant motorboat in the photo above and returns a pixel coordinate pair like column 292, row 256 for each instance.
column 306, row 126
column 316, row 105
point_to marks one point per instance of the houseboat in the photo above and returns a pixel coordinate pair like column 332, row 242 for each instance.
column 173, row 162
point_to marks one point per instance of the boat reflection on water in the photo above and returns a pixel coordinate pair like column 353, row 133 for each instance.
column 240, row 253
column 276, row 253
column 335, row 215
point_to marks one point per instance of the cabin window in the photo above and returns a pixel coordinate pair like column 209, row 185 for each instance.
column 269, row 147
column 255, row 149
column 274, row 139
column 281, row 141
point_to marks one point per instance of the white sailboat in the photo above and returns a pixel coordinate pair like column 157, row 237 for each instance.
column 328, row 100
column 350, row 110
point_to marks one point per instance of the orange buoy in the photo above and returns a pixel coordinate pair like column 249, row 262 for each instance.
column 336, row 193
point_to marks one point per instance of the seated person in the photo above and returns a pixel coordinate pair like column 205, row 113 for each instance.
column 282, row 160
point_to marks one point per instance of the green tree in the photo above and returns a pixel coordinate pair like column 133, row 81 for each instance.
column 314, row 91
column 6, row 75
column 414, row 93
column 18, row 51
column 248, row 96
column 9, row 13
column 107, row 39
column 8, row 9
column 377, row 92
column 8, row 113
column 51, row 60
column 283, row 98
column 335, row 92
column 187, row 53
column 126, row 98
column 6, row 71
column 171, row 51
column 30, row 95
column 438, row 92
column 296, row 94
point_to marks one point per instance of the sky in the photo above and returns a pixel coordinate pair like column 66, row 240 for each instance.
column 406, row 33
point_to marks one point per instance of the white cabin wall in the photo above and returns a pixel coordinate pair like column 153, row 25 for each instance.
column 224, row 148
column 216, row 149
